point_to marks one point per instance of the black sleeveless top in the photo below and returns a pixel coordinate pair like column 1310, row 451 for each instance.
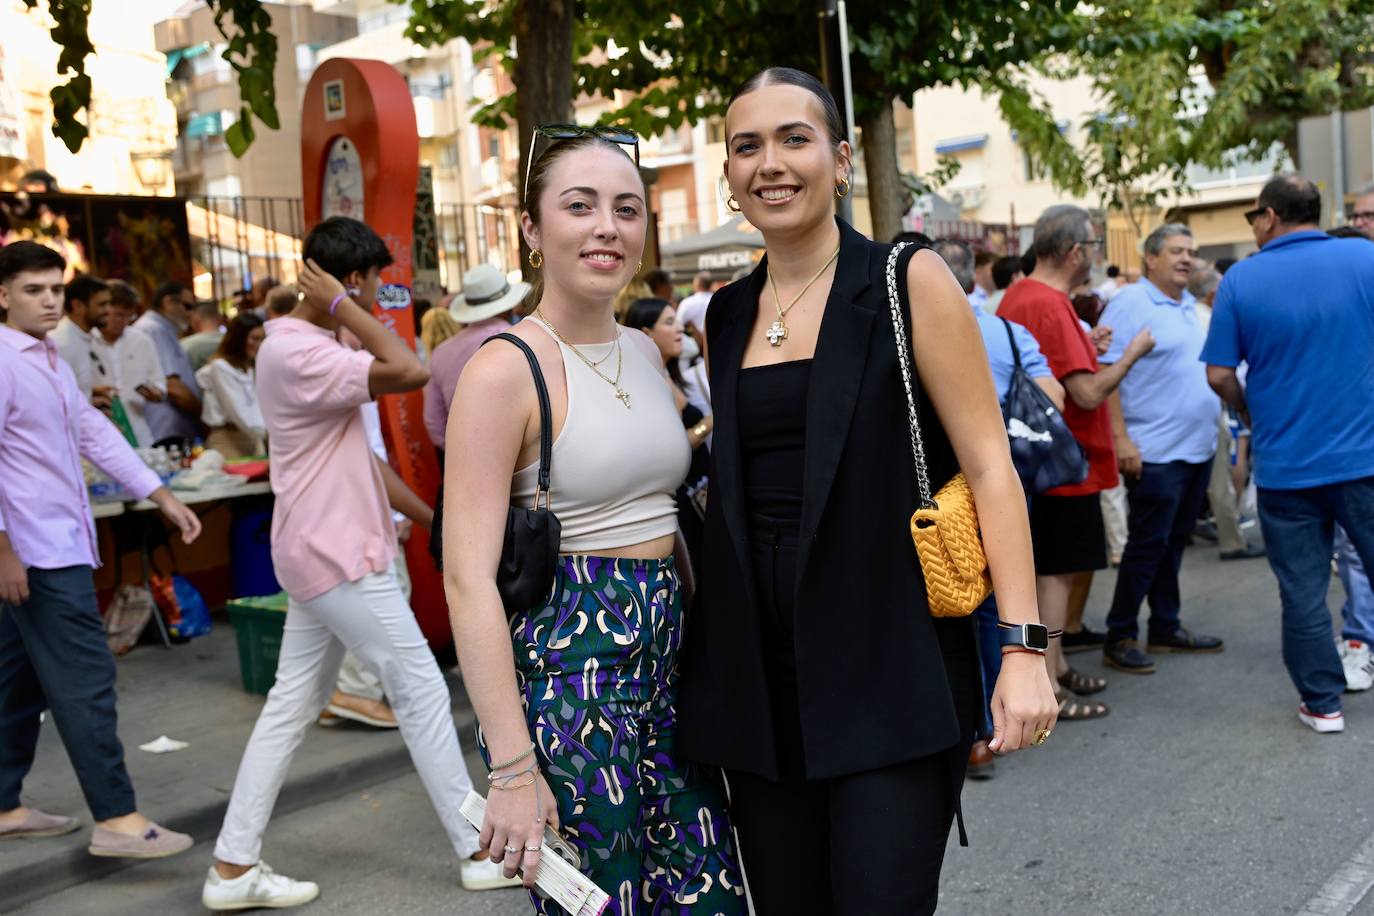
column 772, row 423
column 874, row 679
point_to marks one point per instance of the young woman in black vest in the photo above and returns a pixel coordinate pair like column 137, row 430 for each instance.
column 841, row 711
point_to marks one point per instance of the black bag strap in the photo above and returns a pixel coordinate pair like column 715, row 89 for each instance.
column 545, row 412
column 1011, row 339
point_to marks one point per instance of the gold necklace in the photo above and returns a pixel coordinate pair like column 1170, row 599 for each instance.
column 620, row 393
column 777, row 331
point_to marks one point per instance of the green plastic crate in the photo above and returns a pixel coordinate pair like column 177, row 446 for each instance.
column 258, row 624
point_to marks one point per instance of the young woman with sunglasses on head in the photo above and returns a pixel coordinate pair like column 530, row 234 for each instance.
column 575, row 698
column 814, row 672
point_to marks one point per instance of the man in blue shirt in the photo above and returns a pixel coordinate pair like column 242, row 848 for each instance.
column 1300, row 314
column 1164, row 427
column 178, row 417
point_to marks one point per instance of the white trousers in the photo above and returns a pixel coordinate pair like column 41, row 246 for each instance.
column 1114, row 513
column 372, row 620
column 354, row 678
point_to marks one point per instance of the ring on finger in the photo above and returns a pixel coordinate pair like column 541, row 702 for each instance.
column 1041, row 736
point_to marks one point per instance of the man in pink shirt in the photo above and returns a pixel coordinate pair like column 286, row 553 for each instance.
column 333, row 545
column 53, row 653
column 484, row 308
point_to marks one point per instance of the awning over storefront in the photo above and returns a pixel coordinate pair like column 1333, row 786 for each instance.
column 720, row 251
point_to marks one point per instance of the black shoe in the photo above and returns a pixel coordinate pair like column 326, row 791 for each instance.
column 1125, row 655
column 1248, row 552
column 1183, row 641
column 1082, row 641
column 1205, row 529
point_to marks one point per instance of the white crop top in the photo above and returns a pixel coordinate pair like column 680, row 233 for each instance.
column 615, row 470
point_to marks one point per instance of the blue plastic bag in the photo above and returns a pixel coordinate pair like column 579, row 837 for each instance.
column 195, row 614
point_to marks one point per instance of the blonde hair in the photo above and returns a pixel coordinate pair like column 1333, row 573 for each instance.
column 436, row 327
column 635, row 290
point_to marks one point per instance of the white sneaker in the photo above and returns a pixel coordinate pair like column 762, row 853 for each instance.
column 1323, row 723
column 485, row 875
column 260, row 886
column 1358, row 662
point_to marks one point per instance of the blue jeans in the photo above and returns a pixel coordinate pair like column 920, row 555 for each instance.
column 1164, row 505
column 53, row 656
column 1298, row 528
column 989, row 657
column 1358, row 610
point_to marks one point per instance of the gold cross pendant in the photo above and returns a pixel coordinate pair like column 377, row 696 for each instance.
column 623, row 395
column 776, row 333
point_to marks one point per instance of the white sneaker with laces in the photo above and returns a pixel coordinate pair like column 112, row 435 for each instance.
column 1323, row 723
column 485, row 875
column 1358, row 662
column 260, row 886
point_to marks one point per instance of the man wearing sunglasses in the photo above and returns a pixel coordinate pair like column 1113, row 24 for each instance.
column 1298, row 314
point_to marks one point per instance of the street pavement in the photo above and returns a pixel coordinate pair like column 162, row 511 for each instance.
column 1200, row 793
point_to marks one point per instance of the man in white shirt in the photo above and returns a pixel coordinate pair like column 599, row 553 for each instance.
column 86, row 301
column 691, row 311
column 127, row 362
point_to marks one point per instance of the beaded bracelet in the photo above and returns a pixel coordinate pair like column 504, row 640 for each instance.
column 514, row 760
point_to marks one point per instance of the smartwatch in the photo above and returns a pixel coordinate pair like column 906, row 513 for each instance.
column 1032, row 636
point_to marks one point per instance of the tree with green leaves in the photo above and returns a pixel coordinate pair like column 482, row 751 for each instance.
column 251, row 51
column 1210, row 82
column 680, row 62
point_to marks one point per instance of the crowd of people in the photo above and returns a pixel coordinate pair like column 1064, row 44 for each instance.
column 731, row 548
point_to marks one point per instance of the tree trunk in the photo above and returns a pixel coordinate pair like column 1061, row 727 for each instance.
column 888, row 198
column 543, row 77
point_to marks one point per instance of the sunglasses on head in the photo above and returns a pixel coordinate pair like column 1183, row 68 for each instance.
column 1252, row 215
column 556, row 132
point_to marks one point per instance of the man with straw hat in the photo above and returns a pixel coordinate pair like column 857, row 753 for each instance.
column 484, row 309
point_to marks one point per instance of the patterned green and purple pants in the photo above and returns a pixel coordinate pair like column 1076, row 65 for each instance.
column 598, row 671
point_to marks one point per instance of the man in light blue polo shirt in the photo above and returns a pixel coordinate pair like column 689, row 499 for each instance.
column 1165, row 432
column 178, row 417
column 1300, row 314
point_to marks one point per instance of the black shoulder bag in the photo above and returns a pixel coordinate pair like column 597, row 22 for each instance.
column 1043, row 448
column 529, row 554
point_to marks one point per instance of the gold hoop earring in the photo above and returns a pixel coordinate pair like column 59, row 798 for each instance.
column 536, row 259
column 732, row 205
column 842, row 189
column 639, row 268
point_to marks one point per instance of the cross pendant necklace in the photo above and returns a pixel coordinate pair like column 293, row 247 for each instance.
column 777, row 331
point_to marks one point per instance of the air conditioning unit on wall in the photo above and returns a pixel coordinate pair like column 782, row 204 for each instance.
column 969, row 197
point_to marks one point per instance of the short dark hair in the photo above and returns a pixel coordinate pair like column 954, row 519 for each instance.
column 1295, row 200
column 40, row 176
column 341, row 245
column 1004, row 270
column 656, row 276
column 1346, row 232
column 18, row 257
column 786, row 76
column 233, row 347
column 914, row 238
column 982, row 257
column 208, row 309
column 81, row 289
column 122, row 293
column 1224, row 264
column 170, row 288
column 1113, row 271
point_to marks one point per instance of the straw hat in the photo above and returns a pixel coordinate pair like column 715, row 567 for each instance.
column 486, row 294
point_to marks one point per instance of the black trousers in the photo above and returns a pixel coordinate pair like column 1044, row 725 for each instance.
column 53, row 656
column 869, row 843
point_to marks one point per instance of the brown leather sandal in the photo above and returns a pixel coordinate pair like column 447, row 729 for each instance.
column 1072, row 709
column 1082, row 684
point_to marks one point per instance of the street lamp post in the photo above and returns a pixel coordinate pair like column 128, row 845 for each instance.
column 834, row 28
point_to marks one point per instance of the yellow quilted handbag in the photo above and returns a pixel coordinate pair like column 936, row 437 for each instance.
column 944, row 529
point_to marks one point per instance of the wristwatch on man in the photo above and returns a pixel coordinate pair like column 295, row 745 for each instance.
column 1033, row 637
